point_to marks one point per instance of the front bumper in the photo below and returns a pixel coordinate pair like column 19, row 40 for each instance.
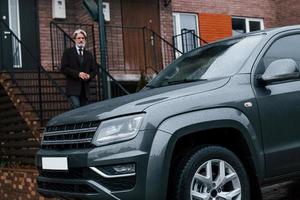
column 81, row 182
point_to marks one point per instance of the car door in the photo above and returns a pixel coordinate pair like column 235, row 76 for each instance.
column 279, row 107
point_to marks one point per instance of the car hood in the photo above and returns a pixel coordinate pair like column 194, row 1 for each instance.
column 134, row 103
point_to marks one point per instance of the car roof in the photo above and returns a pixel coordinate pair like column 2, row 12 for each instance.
column 269, row 31
column 273, row 30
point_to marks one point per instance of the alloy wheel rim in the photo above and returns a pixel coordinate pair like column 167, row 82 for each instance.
column 215, row 180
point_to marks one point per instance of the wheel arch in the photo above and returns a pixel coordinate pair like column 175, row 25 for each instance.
column 178, row 133
column 218, row 137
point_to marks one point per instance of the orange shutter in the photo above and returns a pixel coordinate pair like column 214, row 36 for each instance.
column 214, row 26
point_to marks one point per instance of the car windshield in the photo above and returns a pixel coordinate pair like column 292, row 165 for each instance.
column 221, row 59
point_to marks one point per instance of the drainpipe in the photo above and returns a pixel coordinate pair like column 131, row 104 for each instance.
column 102, row 40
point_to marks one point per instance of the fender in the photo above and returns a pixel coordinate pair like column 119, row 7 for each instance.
column 173, row 128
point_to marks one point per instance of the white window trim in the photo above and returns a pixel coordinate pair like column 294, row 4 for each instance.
column 248, row 19
column 18, row 33
column 178, row 27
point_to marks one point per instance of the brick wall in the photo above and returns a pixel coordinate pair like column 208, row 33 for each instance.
column 166, row 28
column 115, row 50
column 166, row 21
column 265, row 9
column 45, row 17
column 274, row 13
column 76, row 13
column 18, row 184
column 214, row 26
column 288, row 12
column 82, row 16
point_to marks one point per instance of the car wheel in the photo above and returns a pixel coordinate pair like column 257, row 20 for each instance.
column 211, row 173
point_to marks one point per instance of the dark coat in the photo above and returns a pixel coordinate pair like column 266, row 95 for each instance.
column 70, row 67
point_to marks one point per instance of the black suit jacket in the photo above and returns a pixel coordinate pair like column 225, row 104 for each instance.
column 70, row 67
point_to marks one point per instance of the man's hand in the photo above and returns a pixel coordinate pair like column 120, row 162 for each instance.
column 84, row 76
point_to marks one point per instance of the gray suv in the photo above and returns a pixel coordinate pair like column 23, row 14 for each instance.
column 216, row 124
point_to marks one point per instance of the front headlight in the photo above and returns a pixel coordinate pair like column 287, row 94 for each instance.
column 118, row 129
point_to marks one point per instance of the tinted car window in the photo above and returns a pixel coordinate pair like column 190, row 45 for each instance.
column 286, row 47
column 221, row 59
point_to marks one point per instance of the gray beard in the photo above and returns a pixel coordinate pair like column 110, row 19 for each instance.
column 80, row 45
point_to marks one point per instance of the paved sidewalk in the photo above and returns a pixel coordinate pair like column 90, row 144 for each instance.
column 284, row 191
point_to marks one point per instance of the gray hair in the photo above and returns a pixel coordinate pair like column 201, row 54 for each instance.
column 76, row 32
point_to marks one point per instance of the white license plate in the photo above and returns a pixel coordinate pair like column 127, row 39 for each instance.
column 55, row 163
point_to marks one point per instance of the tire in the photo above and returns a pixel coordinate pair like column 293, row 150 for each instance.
column 210, row 173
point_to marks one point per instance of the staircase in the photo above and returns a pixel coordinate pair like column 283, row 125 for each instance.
column 25, row 107
column 150, row 53
column 28, row 99
column 19, row 126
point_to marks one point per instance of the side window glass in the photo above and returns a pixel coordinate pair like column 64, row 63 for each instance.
column 286, row 47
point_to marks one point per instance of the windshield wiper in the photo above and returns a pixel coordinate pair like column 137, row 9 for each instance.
column 175, row 82
column 150, row 86
column 185, row 81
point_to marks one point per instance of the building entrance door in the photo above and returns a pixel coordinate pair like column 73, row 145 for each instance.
column 141, row 49
column 6, row 58
column 21, row 24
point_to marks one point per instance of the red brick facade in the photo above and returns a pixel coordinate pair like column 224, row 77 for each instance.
column 273, row 12
column 214, row 23
column 265, row 9
column 287, row 12
column 18, row 184
column 45, row 17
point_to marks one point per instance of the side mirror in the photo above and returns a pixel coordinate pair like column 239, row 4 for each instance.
column 279, row 70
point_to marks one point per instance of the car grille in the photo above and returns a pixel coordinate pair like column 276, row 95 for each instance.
column 63, row 187
column 70, row 136
column 113, row 184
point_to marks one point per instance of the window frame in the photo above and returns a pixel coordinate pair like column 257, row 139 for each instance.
column 177, row 28
column 17, row 30
column 250, row 19
column 260, row 66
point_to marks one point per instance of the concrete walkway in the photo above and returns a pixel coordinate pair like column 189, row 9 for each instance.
column 284, row 191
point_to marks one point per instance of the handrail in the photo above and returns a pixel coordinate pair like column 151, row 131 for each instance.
column 39, row 68
column 113, row 79
column 16, row 37
column 193, row 33
column 99, row 66
column 153, row 52
column 36, row 60
column 164, row 40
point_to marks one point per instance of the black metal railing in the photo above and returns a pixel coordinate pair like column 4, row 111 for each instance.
column 61, row 39
column 164, row 52
column 137, row 49
column 187, row 40
column 42, row 90
column 129, row 50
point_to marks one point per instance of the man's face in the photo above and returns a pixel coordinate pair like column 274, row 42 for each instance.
column 80, row 40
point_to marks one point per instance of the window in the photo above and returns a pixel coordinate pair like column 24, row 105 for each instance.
column 286, row 47
column 244, row 25
column 185, row 29
column 210, row 62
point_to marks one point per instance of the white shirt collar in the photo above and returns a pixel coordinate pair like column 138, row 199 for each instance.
column 77, row 49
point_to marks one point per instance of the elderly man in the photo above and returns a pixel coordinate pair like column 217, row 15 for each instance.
column 79, row 67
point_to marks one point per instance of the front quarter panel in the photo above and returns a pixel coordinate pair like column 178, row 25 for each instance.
column 175, row 127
